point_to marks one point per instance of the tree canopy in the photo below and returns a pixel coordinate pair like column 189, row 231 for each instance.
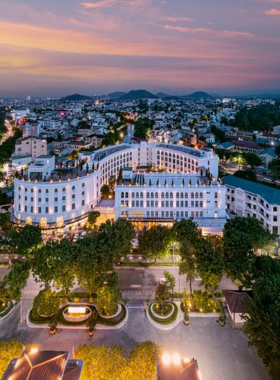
column 9, row 350
column 154, row 243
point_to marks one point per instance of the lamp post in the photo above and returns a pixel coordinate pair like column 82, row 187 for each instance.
column 21, row 315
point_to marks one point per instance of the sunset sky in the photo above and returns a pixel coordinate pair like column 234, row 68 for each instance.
column 58, row 47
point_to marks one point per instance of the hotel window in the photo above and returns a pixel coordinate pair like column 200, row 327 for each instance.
column 47, row 191
column 216, row 214
column 182, row 203
column 56, row 190
column 216, row 195
column 47, row 200
column 73, row 206
column 83, row 202
column 63, row 208
column 56, row 209
column 56, row 199
column 31, row 209
column 216, row 203
column 186, row 203
column 177, row 203
column 39, row 210
column 46, row 210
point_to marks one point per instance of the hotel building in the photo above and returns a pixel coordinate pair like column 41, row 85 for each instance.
column 182, row 184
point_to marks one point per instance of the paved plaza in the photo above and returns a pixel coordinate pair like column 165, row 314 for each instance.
column 222, row 353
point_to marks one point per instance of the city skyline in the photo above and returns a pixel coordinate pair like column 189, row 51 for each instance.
column 97, row 47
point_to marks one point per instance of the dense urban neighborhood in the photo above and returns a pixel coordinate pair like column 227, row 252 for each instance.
column 139, row 237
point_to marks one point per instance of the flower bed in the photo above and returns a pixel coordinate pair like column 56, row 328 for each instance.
column 164, row 321
column 74, row 318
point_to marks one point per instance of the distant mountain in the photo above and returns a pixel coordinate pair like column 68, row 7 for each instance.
column 77, row 97
column 116, row 95
column 162, row 95
column 138, row 94
column 197, row 95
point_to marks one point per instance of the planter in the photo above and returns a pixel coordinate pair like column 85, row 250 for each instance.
column 222, row 323
column 111, row 316
column 53, row 331
column 91, row 332
column 186, row 322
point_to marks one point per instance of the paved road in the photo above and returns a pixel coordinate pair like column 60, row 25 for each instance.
column 140, row 283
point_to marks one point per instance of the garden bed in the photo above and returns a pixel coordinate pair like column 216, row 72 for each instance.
column 164, row 321
column 165, row 313
column 4, row 310
column 113, row 321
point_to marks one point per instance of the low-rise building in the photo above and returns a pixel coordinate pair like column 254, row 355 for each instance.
column 30, row 146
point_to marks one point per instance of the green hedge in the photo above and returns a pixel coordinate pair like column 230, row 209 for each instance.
column 166, row 321
column 38, row 320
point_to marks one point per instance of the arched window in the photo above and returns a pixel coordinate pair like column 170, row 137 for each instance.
column 64, row 190
column 73, row 187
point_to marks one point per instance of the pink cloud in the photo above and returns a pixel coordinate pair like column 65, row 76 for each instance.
column 272, row 12
column 111, row 3
column 223, row 33
column 177, row 19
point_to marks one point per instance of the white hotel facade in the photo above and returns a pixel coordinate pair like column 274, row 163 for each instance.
column 62, row 201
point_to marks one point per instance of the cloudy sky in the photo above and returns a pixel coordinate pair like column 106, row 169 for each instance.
column 57, row 47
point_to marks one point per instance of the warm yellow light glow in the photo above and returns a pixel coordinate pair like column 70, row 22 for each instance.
column 166, row 358
column 186, row 360
column 176, row 359
column 34, row 350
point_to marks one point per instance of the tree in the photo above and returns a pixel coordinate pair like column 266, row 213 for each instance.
column 63, row 258
column 105, row 191
column 109, row 295
column 123, row 233
column 274, row 166
column 187, row 234
column 143, row 361
column 94, row 258
column 93, row 216
column 246, row 174
column 9, row 350
column 162, row 294
column 154, row 243
column 170, row 279
column 29, row 239
column 242, row 238
column 102, row 362
column 252, row 159
column 210, row 262
column 262, row 324
column 46, row 302
column 43, row 264
column 5, row 223
column 16, row 279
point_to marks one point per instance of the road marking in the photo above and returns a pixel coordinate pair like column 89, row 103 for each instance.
column 136, row 286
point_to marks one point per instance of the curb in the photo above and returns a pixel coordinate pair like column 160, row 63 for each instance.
column 171, row 325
